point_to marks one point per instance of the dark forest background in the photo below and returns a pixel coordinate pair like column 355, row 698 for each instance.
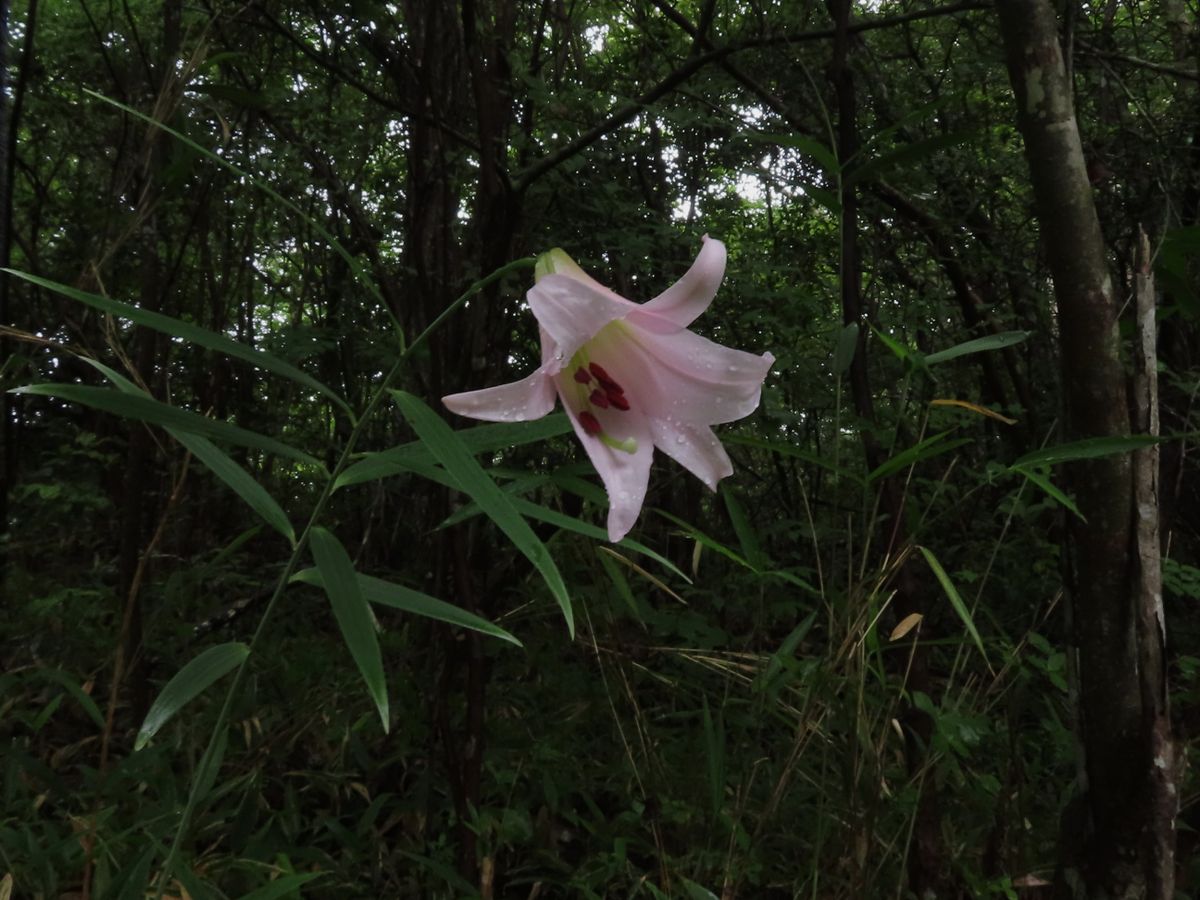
column 910, row 649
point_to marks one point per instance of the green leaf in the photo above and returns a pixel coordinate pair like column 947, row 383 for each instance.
column 1048, row 486
column 928, row 448
column 481, row 439
column 955, row 599
column 714, row 745
column 201, row 337
column 747, row 539
column 281, row 886
column 68, row 683
column 847, row 344
column 216, row 460
column 1089, row 448
column 353, row 615
column 979, row 345
column 906, row 155
column 188, row 683
column 450, row 451
column 385, row 593
column 898, row 349
column 147, row 409
column 239, row 480
column 821, row 154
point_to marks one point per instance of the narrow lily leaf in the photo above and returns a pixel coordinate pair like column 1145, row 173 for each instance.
column 930, row 447
column 1048, row 486
column 450, row 451
column 353, row 615
column 239, row 480
column 281, row 886
column 385, row 593
column 975, row 408
column 955, row 599
column 846, row 346
column 216, row 460
column 979, row 345
column 201, row 337
column 147, row 409
column 1089, row 448
column 481, row 439
column 188, row 683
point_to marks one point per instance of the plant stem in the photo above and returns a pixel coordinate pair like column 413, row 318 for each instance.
column 210, row 752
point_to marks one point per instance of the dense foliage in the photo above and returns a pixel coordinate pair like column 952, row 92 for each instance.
column 845, row 674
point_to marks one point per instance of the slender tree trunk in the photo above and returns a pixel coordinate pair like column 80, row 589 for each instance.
column 1121, row 701
column 10, row 120
column 927, row 872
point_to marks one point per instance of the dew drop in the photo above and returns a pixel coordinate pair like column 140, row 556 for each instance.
column 732, row 369
column 679, row 439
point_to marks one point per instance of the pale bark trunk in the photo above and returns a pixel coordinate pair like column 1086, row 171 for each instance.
column 1121, row 715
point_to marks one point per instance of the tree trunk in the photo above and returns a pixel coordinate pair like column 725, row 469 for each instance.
column 1123, row 782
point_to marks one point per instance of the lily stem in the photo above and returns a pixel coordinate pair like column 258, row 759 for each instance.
column 209, row 758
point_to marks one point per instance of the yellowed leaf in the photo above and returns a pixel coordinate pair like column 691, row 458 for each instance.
column 974, row 407
column 6, row 884
column 907, row 624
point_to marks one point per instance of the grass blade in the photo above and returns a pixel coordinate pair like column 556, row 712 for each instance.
column 955, row 599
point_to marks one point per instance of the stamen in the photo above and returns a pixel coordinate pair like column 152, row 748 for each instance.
column 600, row 399
column 616, row 398
column 582, row 376
column 590, row 423
column 605, row 379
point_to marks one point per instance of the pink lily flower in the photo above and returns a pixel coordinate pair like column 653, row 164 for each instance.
column 630, row 376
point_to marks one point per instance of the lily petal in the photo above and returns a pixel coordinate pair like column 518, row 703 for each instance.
column 572, row 312
column 694, row 447
column 699, row 380
column 521, row 401
column 684, row 301
column 625, row 475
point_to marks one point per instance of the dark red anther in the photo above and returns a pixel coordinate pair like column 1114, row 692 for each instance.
column 590, row 424
column 605, row 380
column 582, row 376
column 617, row 399
column 599, row 398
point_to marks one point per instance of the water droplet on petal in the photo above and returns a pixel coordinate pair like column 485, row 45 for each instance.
column 732, row 369
column 679, row 439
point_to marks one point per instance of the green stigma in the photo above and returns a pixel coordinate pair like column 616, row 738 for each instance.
column 629, row 445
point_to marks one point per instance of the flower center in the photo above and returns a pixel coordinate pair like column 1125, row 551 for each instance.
column 599, row 390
